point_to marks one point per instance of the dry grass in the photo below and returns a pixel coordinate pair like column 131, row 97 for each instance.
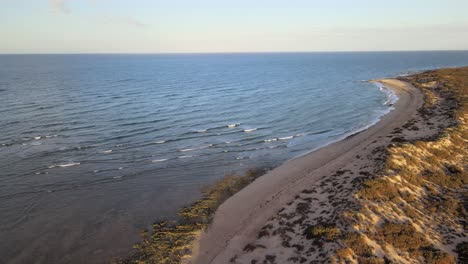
column 323, row 231
column 421, row 193
column 403, row 236
column 378, row 189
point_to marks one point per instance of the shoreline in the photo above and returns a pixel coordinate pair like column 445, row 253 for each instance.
column 238, row 220
column 353, row 132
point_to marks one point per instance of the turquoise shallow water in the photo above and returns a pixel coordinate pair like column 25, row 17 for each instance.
column 94, row 148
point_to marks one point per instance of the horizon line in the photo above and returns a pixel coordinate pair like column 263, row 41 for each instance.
column 223, row 52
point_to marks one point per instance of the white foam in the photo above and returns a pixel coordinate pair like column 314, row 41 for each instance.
column 66, row 165
column 233, row 125
column 201, row 131
column 159, row 160
column 69, row 164
column 189, row 149
column 43, row 137
column 120, row 168
column 185, row 157
column 107, row 151
column 286, row 138
column 392, row 98
column 160, row 142
column 250, row 130
column 270, row 140
column 207, row 146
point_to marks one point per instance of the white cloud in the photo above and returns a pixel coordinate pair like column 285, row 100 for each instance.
column 59, row 6
column 62, row 7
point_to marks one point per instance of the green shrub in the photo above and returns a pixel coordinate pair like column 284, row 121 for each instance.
column 378, row 189
column 435, row 256
column 323, row 231
column 462, row 251
column 403, row 236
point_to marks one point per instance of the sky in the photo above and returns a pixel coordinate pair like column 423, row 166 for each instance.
column 199, row 26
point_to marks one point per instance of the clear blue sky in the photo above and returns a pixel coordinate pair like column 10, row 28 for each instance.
column 152, row 26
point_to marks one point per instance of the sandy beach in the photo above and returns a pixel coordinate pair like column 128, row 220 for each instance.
column 317, row 177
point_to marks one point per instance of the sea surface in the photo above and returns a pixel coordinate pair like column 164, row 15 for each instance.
column 95, row 148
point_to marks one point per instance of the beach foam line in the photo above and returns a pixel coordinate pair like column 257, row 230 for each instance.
column 392, row 98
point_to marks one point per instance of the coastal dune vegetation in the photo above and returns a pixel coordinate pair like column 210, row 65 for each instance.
column 171, row 242
column 414, row 210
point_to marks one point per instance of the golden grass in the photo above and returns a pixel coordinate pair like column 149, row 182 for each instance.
column 323, row 231
column 420, row 193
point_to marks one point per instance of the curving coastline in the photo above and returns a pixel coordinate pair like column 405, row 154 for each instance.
column 394, row 193
column 238, row 221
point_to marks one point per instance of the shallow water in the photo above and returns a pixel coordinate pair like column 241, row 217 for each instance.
column 94, row 148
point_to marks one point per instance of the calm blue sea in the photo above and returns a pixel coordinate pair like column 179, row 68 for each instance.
column 94, row 148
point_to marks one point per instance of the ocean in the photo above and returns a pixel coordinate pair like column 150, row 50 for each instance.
column 95, row 148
